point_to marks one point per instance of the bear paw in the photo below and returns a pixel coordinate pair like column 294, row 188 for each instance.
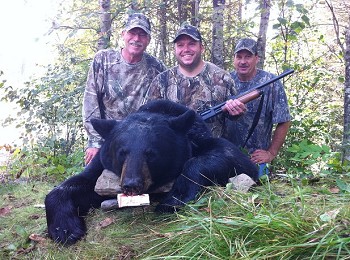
column 67, row 232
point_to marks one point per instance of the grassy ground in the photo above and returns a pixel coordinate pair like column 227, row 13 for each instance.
column 282, row 219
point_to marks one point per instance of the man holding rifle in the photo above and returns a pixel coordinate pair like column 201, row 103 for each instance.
column 193, row 82
column 253, row 130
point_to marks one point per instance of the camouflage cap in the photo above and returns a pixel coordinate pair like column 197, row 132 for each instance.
column 189, row 30
column 138, row 20
column 246, row 44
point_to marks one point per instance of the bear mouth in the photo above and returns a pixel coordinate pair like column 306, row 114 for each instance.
column 132, row 191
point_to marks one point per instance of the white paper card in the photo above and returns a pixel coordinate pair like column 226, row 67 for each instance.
column 132, row 201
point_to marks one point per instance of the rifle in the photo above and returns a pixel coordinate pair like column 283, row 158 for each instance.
column 244, row 97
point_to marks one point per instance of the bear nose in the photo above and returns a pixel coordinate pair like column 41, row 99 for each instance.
column 132, row 186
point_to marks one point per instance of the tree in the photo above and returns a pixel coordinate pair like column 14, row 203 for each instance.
column 346, row 137
column 341, row 18
column 162, row 14
column 183, row 9
column 105, row 25
column 265, row 6
column 218, row 33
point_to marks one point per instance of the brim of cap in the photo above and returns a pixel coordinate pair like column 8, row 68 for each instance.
column 137, row 26
column 244, row 48
column 194, row 38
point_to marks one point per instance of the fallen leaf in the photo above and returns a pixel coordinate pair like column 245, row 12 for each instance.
column 330, row 215
column 106, row 222
column 35, row 216
column 206, row 209
column 4, row 211
column 334, row 190
column 36, row 238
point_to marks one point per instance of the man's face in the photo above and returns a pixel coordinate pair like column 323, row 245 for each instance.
column 245, row 63
column 188, row 52
column 136, row 41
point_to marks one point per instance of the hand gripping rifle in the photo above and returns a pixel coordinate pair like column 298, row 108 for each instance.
column 244, row 97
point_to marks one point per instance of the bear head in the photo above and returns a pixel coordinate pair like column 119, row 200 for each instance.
column 146, row 150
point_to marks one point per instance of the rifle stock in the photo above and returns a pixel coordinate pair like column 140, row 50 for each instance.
column 245, row 97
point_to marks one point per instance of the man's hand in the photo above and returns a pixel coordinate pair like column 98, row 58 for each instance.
column 234, row 107
column 262, row 156
column 90, row 153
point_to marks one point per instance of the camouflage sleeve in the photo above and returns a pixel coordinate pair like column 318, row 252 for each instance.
column 91, row 106
column 230, row 83
column 155, row 89
column 161, row 67
column 231, row 91
column 280, row 111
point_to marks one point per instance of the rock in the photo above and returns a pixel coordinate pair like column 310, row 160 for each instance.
column 242, row 182
column 108, row 184
column 109, row 204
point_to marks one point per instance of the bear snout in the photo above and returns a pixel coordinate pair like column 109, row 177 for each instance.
column 132, row 186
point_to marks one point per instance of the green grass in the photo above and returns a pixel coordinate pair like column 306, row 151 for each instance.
column 284, row 219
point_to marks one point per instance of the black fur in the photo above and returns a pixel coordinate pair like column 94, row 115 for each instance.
column 162, row 142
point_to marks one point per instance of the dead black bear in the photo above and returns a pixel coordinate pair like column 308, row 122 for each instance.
column 162, row 143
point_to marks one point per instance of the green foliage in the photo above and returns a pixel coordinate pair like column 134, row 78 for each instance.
column 343, row 186
column 307, row 158
column 41, row 163
column 50, row 113
column 314, row 139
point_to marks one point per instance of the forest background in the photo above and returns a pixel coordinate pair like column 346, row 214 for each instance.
column 310, row 37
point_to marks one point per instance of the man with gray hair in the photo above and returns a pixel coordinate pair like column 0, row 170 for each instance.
column 118, row 79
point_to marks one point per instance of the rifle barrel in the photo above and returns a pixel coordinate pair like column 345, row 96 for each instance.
column 244, row 97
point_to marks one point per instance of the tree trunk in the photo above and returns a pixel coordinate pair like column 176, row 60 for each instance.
column 195, row 12
column 346, row 135
column 183, row 10
column 217, row 56
column 163, row 35
column 105, row 25
column 264, row 23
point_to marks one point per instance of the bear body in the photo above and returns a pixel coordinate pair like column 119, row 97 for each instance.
column 162, row 143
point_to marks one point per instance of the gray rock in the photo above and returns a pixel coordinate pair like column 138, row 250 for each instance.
column 108, row 184
column 109, row 204
column 242, row 182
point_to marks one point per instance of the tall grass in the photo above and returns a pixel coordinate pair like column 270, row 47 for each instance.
column 279, row 220
column 265, row 224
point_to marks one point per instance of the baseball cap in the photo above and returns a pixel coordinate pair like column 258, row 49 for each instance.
column 138, row 20
column 189, row 30
column 246, row 44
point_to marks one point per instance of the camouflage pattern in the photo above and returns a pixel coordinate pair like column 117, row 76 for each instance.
column 247, row 44
column 188, row 30
column 116, row 88
column 138, row 20
column 209, row 88
column 275, row 110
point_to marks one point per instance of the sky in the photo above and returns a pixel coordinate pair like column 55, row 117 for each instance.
column 24, row 44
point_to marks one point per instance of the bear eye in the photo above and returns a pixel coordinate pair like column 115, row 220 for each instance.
column 150, row 154
column 121, row 155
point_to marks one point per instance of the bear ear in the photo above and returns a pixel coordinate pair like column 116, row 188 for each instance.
column 103, row 126
column 184, row 122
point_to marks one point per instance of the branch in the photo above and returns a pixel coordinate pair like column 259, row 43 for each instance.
column 335, row 25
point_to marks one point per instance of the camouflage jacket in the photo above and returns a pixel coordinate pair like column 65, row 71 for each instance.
column 210, row 87
column 115, row 88
column 274, row 110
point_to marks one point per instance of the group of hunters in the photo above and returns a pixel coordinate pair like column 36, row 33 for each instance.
column 121, row 80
